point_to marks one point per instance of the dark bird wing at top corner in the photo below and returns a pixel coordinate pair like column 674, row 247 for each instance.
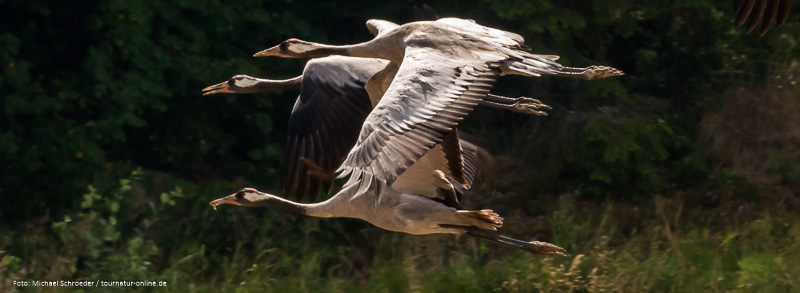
column 751, row 11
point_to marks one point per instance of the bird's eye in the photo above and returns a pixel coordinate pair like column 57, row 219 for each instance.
column 283, row 46
column 240, row 194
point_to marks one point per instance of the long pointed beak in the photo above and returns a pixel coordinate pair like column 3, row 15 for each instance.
column 220, row 88
column 230, row 199
column 274, row 51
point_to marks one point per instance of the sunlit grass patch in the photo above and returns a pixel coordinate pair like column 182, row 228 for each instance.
column 658, row 245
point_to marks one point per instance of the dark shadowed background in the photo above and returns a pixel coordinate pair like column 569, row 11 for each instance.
column 680, row 175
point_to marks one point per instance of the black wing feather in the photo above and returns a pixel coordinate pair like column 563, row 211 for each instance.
column 325, row 122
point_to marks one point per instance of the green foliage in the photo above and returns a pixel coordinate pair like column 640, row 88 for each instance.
column 121, row 84
column 785, row 167
column 108, row 247
column 629, row 147
column 656, row 246
column 92, row 92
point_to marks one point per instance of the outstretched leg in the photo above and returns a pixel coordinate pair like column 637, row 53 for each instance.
column 589, row 73
column 531, row 67
column 535, row 247
column 522, row 105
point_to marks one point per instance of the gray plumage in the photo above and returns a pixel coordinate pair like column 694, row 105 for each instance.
column 443, row 70
column 446, row 68
column 325, row 119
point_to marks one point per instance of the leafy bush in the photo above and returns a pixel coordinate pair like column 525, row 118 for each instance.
column 92, row 92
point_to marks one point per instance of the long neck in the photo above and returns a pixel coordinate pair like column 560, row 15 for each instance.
column 342, row 204
column 371, row 49
column 263, row 85
column 339, row 205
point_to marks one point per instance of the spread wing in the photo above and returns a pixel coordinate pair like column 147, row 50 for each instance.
column 470, row 160
column 447, row 157
column 432, row 91
column 470, row 27
column 444, row 74
column 751, row 11
column 325, row 122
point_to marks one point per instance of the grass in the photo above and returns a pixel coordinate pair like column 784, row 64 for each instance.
column 666, row 244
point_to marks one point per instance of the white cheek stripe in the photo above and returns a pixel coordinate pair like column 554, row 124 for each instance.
column 301, row 48
column 244, row 83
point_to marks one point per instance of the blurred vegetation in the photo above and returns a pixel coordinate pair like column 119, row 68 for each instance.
column 681, row 175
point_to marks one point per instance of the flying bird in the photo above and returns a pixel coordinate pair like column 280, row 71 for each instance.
column 439, row 212
column 444, row 173
column 443, row 70
column 328, row 115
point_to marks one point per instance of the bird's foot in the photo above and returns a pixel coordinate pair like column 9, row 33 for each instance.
column 530, row 106
column 589, row 73
column 544, row 248
column 597, row 72
column 486, row 216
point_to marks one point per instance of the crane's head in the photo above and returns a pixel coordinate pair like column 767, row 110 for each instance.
column 232, row 85
column 236, row 84
column 291, row 48
column 251, row 197
column 245, row 197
